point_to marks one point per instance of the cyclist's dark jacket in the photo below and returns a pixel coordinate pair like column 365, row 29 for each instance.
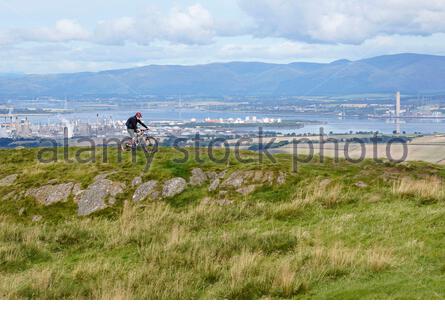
column 132, row 123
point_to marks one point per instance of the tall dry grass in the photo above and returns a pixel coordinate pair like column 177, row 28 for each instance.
column 430, row 188
column 154, row 251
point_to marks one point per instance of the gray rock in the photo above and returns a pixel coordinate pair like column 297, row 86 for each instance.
column 103, row 175
column 22, row 211
column 325, row 182
column 198, row 177
column 361, row 184
column 223, row 202
column 235, row 180
column 268, row 177
column 219, row 202
column 206, row 201
column 214, row 185
column 281, row 179
column 212, row 175
column 247, row 190
column 10, row 196
column 50, row 194
column 173, row 187
column 8, row 180
column 146, row 189
column 258, row 176
column 136, row 181
column 94, row 198
column 77, row 192
column 36, row 218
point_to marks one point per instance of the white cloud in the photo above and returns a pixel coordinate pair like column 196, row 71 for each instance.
column 344, row 21
column 193, row 25
column 64, row 30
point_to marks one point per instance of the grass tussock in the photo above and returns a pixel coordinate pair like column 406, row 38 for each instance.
column 430, row 188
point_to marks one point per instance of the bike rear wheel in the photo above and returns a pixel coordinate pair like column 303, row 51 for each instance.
column 127, row 144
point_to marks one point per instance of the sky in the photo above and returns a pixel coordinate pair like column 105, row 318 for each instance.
column 48, row 36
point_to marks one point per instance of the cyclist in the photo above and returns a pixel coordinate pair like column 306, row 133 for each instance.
column 132, row 126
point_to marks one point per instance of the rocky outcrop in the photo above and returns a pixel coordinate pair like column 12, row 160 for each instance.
column 104, row 175
column 281, row 179
column 136, row 181
column 219, row 202
column 212, row 175
column 214, row 185
column 240, row 179
column 173, row 187
column 8, row 180
column 10, row 196
column 325, row 182
column 36, row 218
column 361, row 184
column 145, row 190
column 235, row 180
column 50, row 194
column 77, row 192
column 198, row 178
column 99, row 196
column 246, row 190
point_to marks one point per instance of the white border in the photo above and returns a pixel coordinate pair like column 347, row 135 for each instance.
column 224, row 310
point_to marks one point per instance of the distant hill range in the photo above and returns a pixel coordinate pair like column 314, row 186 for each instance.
column 409, row 73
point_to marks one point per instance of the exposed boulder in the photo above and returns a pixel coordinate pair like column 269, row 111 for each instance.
column 198, row 177
column 95, row 198
column 36, row 218
column 223, row 202
column 239, row 178
column 235, row 180
column 77, row 192
column 268, row 177
column 8, row 180
column 104, row 175
column 136, row 181
column 325, row 182
column 10, row 196
column 281, row 179
column 145, row 190
column 173, row 187
column 246, row 190
column 361, row 184
column 50, row 194
column 214, row 185
column 212, row 175
column 219, row 202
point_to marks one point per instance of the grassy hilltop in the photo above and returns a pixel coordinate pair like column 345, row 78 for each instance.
column 331, row 231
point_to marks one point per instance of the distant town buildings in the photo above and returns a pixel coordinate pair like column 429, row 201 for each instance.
column 247, row 120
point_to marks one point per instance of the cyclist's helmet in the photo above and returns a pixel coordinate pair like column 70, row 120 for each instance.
column 138, row 114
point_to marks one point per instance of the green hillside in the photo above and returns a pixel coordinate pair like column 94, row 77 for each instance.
column 328, row 231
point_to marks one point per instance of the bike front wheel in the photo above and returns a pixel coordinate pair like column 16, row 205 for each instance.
column 150, row 144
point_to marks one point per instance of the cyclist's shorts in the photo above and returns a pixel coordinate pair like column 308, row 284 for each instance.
column 131, row 132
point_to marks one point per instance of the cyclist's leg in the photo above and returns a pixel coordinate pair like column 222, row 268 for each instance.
column 132, row 135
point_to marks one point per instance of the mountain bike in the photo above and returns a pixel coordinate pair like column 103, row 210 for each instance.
column 142, row 139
